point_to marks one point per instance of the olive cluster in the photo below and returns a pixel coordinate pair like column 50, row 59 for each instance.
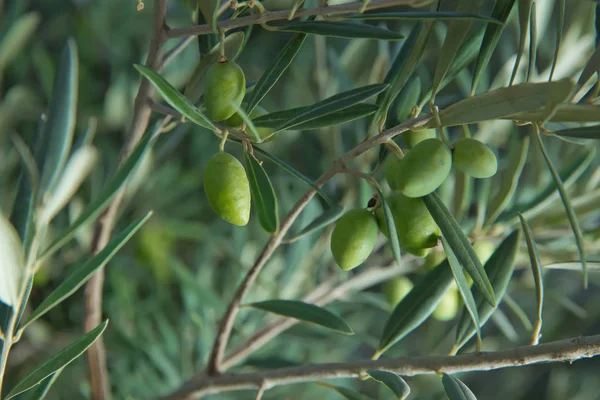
column 225, row 181
column 418, row 173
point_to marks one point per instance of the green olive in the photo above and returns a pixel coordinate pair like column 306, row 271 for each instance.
column 474, row 158
column 417, row 231
column 236, row 121
column 424, row 168
column 391, row 171
column 225, row 83
column 227, row 188
column 448, row 307
column 412, row 138
column 434, row 259
column 396, row 289
column 353, row 238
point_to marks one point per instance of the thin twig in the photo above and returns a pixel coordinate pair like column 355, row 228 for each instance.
column 564, row 350
column 224, row 332
column 283, row 15
column 104, row 225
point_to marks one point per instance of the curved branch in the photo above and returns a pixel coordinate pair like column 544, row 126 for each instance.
column 564, row 350
column 283, row 15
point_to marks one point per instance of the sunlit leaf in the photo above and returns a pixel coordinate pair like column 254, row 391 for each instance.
column 270, row 77
column 82, row 273
column 456, row 389
column 499, row 267
column 305, row 312
column 341, row 29
column 460, row 245
column 536, row 268
column 175, row 99
column 394, row 382
column 13, row 263
column 58, row 361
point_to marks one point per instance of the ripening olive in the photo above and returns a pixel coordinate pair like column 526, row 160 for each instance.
column 417, row 231
column 391, row 171
column 225, row 83
column 353, row 238
column 227, row 188
column 396, row 289
column 424, row 168
column 448, row 307
column 434, row 259
column 474, row 158
column 412, row 138
column 236, row 121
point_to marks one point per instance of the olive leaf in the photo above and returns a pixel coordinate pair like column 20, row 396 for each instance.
column 39, row 391
column 394, row 382
column 16, row 38
column 425, row 15
column 305, row 312
column 501, row 12
column 524, row 18
column 591, row 67
column 568, row 207
column 562, row 113
column 209, row 10
column 332, row 104
column 536, row 268
column 58, row 361
column 456, row 389
column 582, row 132
column 328, row 217
column 82, row 273
column 560, row 16
column 532, row 41
column 263, row 195
column 270, row 77
column 460, row 245
column 13, row 263
column 340, row 29
column 499, row 267
column 175, row 99
column 416, row 306
column 390, row 225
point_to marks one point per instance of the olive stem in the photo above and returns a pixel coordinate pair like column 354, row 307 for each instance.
column 222, row 57
column 435, row 111
column 395, row 149
column 223, row 140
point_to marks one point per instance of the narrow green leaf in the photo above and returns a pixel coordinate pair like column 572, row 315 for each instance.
column 247, row 121
column 83, row 272
column 346, row 393
column 391, row 229
column 357, row 111
column 330, row 215
column 499, row 267
column 504, row 102
column 333, row 104
column 560, row 15
column 463, row 288
column 455, row 36
column 591, row 67
column 504, row 325
column 582, row 132
column 401, row 70
column 524, row 10
column 60, row 126
column 13, row 263
column 209, row 10
column 395, row 383
column 573, row 266
column 501, row 12
column 518, row 311
column 416, row 306
column 175, row 99
column 536, row 268
column 17, row 37
column 563, row 113
column 510, row 181
column 462, row 194
column 465, row 55
column 456, row 389
column 58, row 361
column 263, row 195
column 305, row 312
column 406, row 101
column 540, row 203
column 568, row 208
column 340, row 29
column 276, row 70
column 532, row 41
column 425, row 15
column 98, row 205
column 460, row 245
column 39, row 391
column 233, row 45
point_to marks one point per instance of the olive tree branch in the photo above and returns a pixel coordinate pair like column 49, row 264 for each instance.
column 100, row 387
column 283, row 15
column 226, row 325
column 563, row 350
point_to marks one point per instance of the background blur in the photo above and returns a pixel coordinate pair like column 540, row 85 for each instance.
column 166, row 290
